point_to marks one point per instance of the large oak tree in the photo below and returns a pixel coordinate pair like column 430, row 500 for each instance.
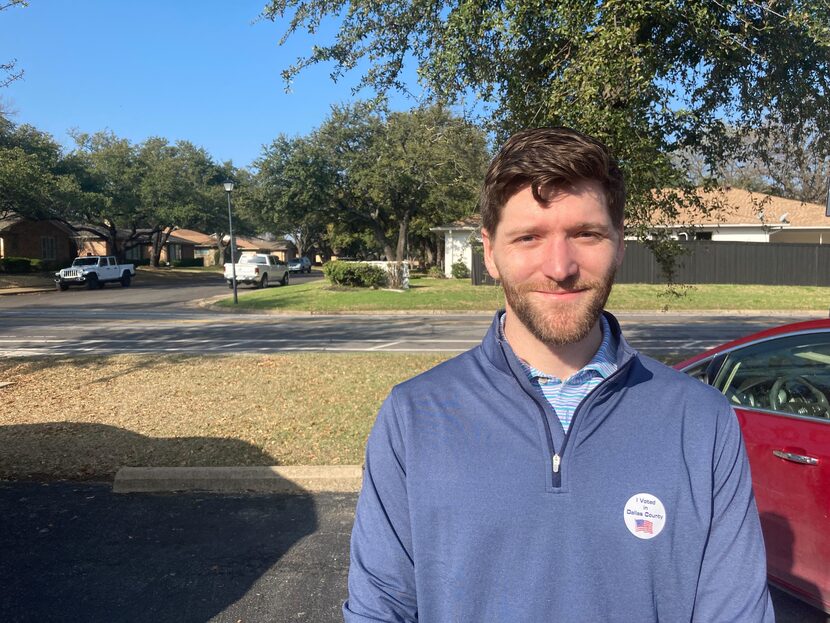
column 654, row 79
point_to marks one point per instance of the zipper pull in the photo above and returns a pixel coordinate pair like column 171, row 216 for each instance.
column 556, row 461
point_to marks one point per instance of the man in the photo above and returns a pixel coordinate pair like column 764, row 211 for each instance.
column 553, row 473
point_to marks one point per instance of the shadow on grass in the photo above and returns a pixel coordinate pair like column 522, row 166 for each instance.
column 77, row 451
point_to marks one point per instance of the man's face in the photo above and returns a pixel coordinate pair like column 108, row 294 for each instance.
column 556, row 261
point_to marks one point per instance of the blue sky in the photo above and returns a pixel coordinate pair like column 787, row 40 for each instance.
column 200, row 70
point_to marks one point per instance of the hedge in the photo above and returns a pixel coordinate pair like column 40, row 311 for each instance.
column 187, row 262
column 25, row 265
column 354, row 274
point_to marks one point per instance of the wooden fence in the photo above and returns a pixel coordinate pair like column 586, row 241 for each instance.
column 717, row 262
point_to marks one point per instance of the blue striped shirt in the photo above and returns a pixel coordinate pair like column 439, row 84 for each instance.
column 564, row 396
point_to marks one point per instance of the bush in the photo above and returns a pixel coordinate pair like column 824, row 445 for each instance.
column 17, row 265
column 354, row 274
column 435, row 272
column 187, row 262
column 460, row 271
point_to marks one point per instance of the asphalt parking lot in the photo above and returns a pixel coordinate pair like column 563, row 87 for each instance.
column 78, row 551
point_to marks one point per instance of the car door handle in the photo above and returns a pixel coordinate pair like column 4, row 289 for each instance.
column 795, row 458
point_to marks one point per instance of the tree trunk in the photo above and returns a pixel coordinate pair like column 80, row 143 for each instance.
column 403, row 233
column 160, row 239
column 112, row 241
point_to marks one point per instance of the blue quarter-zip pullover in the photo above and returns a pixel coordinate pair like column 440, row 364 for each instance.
column 474, row 509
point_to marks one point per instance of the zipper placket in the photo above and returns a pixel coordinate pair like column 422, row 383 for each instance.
column 556, row 460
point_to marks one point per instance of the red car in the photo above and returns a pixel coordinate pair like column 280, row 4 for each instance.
column 778, row 381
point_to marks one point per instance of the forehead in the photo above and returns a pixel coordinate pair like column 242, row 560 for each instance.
column 580, row 201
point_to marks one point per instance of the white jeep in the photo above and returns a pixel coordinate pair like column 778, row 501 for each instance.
column 94, row 271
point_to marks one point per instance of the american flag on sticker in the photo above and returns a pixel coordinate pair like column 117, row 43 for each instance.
column 644, row 525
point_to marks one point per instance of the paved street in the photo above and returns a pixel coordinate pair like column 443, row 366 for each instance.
column 164, row 318
column 80, row 552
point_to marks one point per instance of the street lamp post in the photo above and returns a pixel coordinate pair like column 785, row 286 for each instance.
column 229, row 189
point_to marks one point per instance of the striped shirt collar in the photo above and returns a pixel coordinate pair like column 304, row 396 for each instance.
column 603, row 363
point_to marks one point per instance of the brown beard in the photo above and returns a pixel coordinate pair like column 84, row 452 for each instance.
column 561, row 323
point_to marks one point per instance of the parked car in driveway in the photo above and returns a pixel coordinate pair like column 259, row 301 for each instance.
column 778, row 382
column 300, row 265
column 94, row 271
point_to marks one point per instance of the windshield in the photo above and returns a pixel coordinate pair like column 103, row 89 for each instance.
column 85, row 261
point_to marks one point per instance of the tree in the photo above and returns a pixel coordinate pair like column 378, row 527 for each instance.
column 179, row 188
column 293, row 191
column 111, row 181
column 652, row 79
column 390, row 169
column 790, row 165
column 36, row 180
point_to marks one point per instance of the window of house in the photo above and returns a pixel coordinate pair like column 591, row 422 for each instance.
column 174, row 252
column 133, row 253
column 48, row 248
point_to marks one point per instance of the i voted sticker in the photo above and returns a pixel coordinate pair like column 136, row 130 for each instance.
column 644, row 515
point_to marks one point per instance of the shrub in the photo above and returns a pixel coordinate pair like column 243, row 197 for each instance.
column 435, row 272
column 354, row 274
column 187, row 262
column 460, row 271
column 17, row 265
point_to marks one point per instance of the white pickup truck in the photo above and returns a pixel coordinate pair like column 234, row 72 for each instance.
column 93, row 271
column 257, row 269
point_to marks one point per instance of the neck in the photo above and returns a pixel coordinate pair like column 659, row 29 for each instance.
column 561, row 361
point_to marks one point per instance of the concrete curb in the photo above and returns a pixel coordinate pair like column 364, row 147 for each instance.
column 8, row 291
column 262, row 479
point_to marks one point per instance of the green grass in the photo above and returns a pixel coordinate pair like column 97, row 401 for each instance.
column 456, row 295
column 424, row 294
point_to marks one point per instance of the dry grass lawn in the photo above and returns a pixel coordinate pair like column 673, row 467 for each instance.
column 84, row 417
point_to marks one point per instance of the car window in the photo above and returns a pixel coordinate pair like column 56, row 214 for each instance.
column 788, row 375
column 698, row 371
column 111, row 261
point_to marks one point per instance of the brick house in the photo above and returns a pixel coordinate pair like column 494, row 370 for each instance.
column 50, row 241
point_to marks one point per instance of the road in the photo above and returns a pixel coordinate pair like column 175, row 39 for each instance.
column 163, row 318
column 77, row 551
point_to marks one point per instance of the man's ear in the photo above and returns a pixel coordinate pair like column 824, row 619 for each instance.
column 487, row 240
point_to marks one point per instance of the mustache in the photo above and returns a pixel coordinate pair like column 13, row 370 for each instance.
column 552, row 286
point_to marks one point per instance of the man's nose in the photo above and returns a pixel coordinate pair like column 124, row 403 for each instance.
column 560, row 262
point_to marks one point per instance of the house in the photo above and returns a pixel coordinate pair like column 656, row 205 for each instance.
column 48, row 240
column 742, row 216
column 458, row 239
column 283, row 249
column 181, row 245
column 202, row 245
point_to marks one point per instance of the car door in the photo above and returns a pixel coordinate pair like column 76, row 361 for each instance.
column 780, row 388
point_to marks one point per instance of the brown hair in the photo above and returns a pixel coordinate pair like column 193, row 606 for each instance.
column 549, row 160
